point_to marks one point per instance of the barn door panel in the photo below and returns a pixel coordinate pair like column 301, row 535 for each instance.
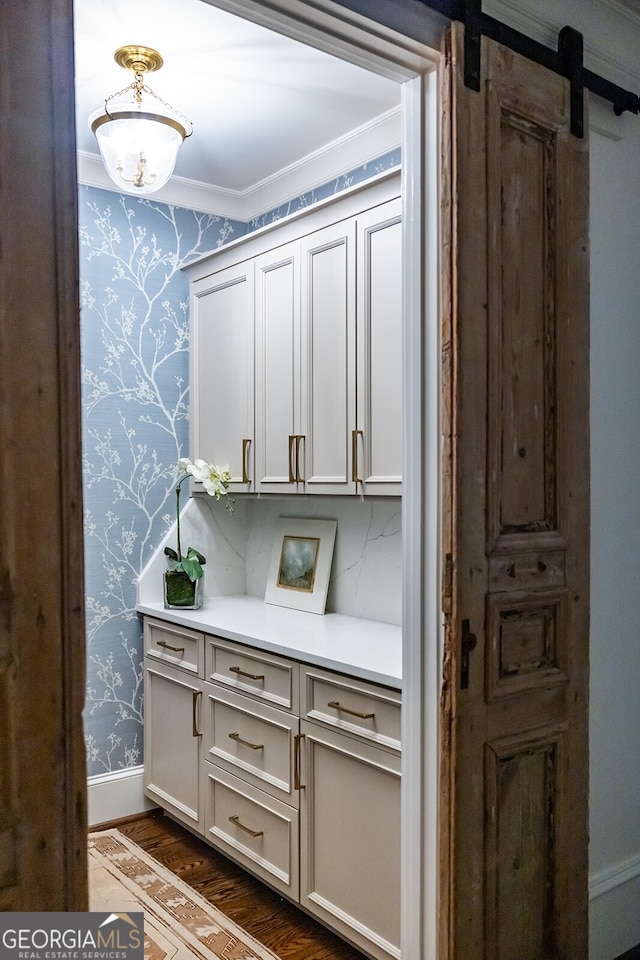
column 515, row 714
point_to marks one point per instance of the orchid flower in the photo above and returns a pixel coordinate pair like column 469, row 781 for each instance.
column 215, row 481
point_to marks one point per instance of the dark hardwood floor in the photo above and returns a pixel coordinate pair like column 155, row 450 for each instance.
column 278, row 924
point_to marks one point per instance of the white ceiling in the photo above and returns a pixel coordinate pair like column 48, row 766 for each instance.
column 258, row 101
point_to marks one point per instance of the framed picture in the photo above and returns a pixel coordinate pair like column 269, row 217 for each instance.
column 301, row 564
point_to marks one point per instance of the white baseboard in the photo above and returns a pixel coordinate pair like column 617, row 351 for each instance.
column 111, row 796
column 614, row 917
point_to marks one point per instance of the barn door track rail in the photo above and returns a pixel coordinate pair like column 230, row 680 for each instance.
column 567, row 60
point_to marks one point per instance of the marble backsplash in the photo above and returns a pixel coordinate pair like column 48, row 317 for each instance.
column 366, row 574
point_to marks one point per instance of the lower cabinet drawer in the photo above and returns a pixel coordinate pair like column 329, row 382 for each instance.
column 175, row 645
column 253, row 828
column 251, row 740
column 357, row 707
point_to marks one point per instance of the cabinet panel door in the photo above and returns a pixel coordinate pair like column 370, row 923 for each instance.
column 172, row 742
column 350, row 838
column 222, row 372
column 328, row 358
column 277, row 311
column 380, row 349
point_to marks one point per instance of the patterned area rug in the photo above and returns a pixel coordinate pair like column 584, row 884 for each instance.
column 179, row 924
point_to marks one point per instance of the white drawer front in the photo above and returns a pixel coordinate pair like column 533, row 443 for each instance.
column 365, row 710
column 252, row 740
column 175, row 645
column 255, row 829
column 270, row 679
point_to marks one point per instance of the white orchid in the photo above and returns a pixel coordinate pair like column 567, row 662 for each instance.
column 216, row 482
column 214, row 479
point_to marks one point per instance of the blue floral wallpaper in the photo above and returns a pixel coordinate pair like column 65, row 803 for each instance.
column 135, row 343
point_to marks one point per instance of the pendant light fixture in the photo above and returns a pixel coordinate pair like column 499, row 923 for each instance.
column 139, row 135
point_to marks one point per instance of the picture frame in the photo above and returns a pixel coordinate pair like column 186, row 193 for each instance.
column 301, row 564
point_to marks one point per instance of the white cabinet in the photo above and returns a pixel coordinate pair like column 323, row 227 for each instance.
column 328, row 381
column 297, row 332
column 378, row 456
column 222, row 371
column 251, row 761
column 305, row 363
column 292, row 771
column 172, row 702
column 350, row 810
column 277, row 369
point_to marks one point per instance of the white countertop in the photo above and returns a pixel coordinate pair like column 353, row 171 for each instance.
column 361, row 648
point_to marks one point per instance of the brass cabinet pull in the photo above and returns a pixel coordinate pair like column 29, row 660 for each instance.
column 297, row 740
column 353, row 713
column 298, row 438
column 245, row 743
column 292, row 478
column 241, row 673
column 254, row 833
column 167, row 646
column 194, row 730
column 245, row 447
column 354, row 456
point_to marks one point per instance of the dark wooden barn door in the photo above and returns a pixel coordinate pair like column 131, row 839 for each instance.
column 517, row 558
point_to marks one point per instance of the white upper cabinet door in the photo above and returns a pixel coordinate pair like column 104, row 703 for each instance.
column 378, row 442
column 328, row 263
column 222, row 374
column 277, row 331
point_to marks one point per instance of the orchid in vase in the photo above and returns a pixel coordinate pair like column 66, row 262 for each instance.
column 184, row 576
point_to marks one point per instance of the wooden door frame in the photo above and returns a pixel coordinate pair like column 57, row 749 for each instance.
column 338, row 31
column 43, row 783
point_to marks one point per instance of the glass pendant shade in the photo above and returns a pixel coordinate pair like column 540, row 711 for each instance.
column 138, row 134
column 138, row 148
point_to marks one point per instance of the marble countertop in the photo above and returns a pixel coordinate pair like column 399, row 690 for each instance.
column 367, row 649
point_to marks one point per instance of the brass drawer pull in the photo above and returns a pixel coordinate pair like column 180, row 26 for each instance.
column 292, row 478
column 245, row 448
column 167, row 646
column 194, row 729
column 299, row 437
column 297, row 740
column 354, row 456
column 245, row 743
column 254, row 833
column 241, row 673
column 353, row 713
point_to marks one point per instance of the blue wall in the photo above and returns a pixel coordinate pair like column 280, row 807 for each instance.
column 135, row 374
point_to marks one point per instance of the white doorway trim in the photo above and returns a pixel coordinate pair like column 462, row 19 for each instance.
column 343, row 33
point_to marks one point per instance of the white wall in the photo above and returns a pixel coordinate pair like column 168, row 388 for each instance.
column 366, row 573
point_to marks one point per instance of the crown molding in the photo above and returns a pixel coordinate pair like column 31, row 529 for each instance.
column 359, row 147
column 625, row 8
column 542, row 22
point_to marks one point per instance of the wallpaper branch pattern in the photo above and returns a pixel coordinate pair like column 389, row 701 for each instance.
column 135, row 373
column 135, row 339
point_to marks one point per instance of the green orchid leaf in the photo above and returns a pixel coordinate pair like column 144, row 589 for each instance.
column 192, row 567
column 169, row 552
column 191, row 553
